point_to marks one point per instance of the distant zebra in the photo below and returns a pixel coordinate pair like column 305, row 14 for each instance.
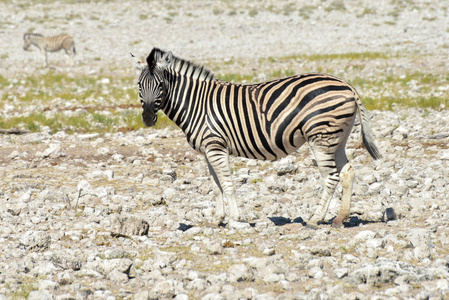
column 51, row 44
column 264, row 121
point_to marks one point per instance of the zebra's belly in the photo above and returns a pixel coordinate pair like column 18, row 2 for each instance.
column 267, row 148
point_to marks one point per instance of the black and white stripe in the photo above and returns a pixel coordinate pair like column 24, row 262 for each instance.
column 264, row 121
column 50, row 44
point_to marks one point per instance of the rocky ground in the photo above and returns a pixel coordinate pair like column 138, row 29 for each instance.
column 128, row 215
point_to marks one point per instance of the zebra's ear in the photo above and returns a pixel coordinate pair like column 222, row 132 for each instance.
column 151, row 59
column 137, row 63
column 165, row 60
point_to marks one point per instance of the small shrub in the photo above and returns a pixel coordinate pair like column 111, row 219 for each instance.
column 336, row 5
column 252, row 13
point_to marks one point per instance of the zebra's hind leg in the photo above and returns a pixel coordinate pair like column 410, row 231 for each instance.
column 346, row 179
column 328, row 168
column 45, row 59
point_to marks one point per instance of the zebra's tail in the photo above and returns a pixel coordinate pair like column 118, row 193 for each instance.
column 367, row 134
column 72, row 46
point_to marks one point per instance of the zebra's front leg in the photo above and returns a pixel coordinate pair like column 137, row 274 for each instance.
column 347, row 179
column 45, row 59
column 218, row 195
column 218, row 161
column 70, row 59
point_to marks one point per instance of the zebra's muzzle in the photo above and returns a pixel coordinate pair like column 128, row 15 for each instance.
column 149, row 118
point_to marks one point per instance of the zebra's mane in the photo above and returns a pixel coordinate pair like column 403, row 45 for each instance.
column 181, row 66
column 31, row 33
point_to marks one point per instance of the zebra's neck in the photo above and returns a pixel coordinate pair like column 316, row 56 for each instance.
column 35, row 38
column 185, row 97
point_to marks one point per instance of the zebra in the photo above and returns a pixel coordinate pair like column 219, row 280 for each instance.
column 51, row 44
column 264, row 121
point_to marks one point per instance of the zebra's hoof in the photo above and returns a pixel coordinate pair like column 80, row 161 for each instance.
column 312, row 225
column 239, row 218
column 217, row 220
column 337, row 225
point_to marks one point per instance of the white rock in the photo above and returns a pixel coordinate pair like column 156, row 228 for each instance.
column 269, row 251
column 375, row 243
column 45, row 284
column 365, row 235
column 444, row 154
column 341, row 272
column 104, row 150
column 239, row 272
column 316, row 272
column 419, row 237
column 238, row 225
column 117, row 277
column 40, row 295
column 109, row 174
column 53, row 150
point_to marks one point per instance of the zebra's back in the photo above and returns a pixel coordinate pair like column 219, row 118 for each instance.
column 59, row 42
column 270, row 120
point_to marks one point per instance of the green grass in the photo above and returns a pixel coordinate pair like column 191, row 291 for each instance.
column 395, row 85
column 306, row 11
column 252, row 13
column 163, row 121
column 237, row 78
column 332, row 56
column 84, row 89
column 367, row 11
column 105, row 99
column 88, row 122
column 108, row 102
column 81, row 103
column 24, row 290
column 336, row 5
column 383, row 91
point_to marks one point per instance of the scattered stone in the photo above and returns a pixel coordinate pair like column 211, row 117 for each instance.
column 53, row 150
column 269, row 251
column 341, row 272
column 419, row 237
column 240, row 272
column 215, row 248
column 130, row 213
column 239, row 225
column 66, row 261
column 286, row 166
column 389, row 215
column 163, row 289
column 36, row 241
column 128, row 225
column 386, row 271
column 320, row 251
column 40, row 295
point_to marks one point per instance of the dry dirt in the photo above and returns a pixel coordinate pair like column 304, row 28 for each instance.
column 183, row 255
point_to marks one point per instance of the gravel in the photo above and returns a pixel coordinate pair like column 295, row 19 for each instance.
column 70, row 230
column 130, row 215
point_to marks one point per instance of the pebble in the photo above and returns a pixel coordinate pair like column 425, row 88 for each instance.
column 129, row 215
